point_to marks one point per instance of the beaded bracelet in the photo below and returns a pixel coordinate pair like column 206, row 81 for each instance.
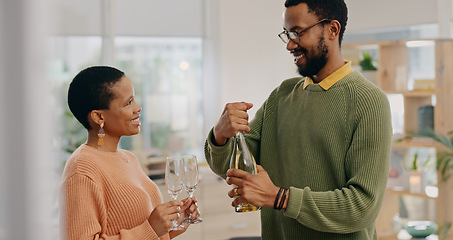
column 278, row 197
column 282, row 201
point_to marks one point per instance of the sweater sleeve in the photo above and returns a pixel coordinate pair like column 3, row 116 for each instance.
column 218, row 157
column 355, row 205
column 84, row 214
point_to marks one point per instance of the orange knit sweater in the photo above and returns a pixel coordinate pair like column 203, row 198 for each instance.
column 105, row 195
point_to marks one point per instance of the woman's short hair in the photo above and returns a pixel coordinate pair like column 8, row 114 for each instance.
column 91, row 90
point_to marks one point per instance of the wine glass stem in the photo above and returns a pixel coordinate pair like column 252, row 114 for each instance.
column 191, row 196
column 175, row 222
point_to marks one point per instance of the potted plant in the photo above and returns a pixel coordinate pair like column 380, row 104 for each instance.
column 369, row 67
column 444, row 157
column 417, row 174
column 367, row 63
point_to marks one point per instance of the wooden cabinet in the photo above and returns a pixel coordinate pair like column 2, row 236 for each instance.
column 419, row 73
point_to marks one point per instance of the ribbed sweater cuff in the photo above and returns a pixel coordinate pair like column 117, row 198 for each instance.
column 217, row 149
column 296, row 196
column 147, row 230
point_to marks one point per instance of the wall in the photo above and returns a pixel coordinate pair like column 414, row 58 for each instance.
column 369, row 14
column 253, row 60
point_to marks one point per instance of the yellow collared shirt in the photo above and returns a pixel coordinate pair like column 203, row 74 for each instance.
column 333, row 78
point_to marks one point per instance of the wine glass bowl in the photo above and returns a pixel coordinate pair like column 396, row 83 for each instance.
column 173, row 182
column 190, row 182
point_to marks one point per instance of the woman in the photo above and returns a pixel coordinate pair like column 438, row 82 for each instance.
column 104, row 192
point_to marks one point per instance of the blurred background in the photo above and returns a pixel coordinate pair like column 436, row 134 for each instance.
column 186, row 58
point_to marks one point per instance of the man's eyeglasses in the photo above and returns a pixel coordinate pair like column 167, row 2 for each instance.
column 285, row 36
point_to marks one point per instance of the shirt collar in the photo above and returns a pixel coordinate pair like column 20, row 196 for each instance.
column 333, row 78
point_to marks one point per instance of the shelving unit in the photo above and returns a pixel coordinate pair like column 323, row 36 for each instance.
column 394, row 76
column 408, row 193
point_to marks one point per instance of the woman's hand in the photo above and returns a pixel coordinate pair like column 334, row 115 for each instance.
column 161, row 218
column 190, row 208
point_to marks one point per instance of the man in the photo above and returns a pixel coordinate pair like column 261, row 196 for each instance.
column 324, row 139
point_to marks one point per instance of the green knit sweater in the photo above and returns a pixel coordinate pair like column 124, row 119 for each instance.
column 331, row 148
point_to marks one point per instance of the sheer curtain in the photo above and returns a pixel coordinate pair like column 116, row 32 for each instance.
column 26, row 189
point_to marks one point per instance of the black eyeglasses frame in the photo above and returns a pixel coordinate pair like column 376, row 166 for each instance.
column 294, row 36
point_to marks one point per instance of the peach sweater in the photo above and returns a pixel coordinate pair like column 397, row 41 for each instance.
column 105, row 195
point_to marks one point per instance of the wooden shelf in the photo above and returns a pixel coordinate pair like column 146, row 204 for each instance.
column 429, row 93
column 403, row 235
column 421, row 143
column 383, row 43
column 407, row 193
column 417, row 142
column 416, row 94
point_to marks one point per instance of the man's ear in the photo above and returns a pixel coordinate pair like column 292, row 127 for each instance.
column 97, row 116
column 334, row 29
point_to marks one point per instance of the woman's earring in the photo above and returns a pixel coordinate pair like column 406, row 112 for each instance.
column 101, row 135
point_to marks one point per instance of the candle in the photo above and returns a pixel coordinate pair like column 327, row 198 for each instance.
column 415, row 182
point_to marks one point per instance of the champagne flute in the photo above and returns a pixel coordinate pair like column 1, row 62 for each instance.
column 173, row 180
column 190, row 182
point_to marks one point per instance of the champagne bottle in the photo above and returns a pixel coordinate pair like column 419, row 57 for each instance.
column 242, row 158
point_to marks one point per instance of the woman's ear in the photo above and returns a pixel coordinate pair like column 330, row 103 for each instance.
column 97, row 117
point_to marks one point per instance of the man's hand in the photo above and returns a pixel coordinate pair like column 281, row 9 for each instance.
column 258, row 190
column 234, row 119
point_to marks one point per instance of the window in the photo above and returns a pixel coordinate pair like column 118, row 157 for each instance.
column 68, row 56
column 167, row 75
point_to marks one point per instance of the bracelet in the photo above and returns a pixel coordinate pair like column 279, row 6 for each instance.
column 282, row 201
column 277, row 198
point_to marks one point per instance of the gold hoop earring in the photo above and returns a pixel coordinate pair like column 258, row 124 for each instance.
column 101, row 135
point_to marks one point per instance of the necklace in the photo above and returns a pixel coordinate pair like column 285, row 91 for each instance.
column 124, row 157
column 121, row 155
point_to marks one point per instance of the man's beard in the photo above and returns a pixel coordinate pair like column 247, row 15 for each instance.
column 315, row 63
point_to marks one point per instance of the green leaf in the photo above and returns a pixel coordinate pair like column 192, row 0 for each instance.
column 414, row 165
column 444, row 163
column 367, row 63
